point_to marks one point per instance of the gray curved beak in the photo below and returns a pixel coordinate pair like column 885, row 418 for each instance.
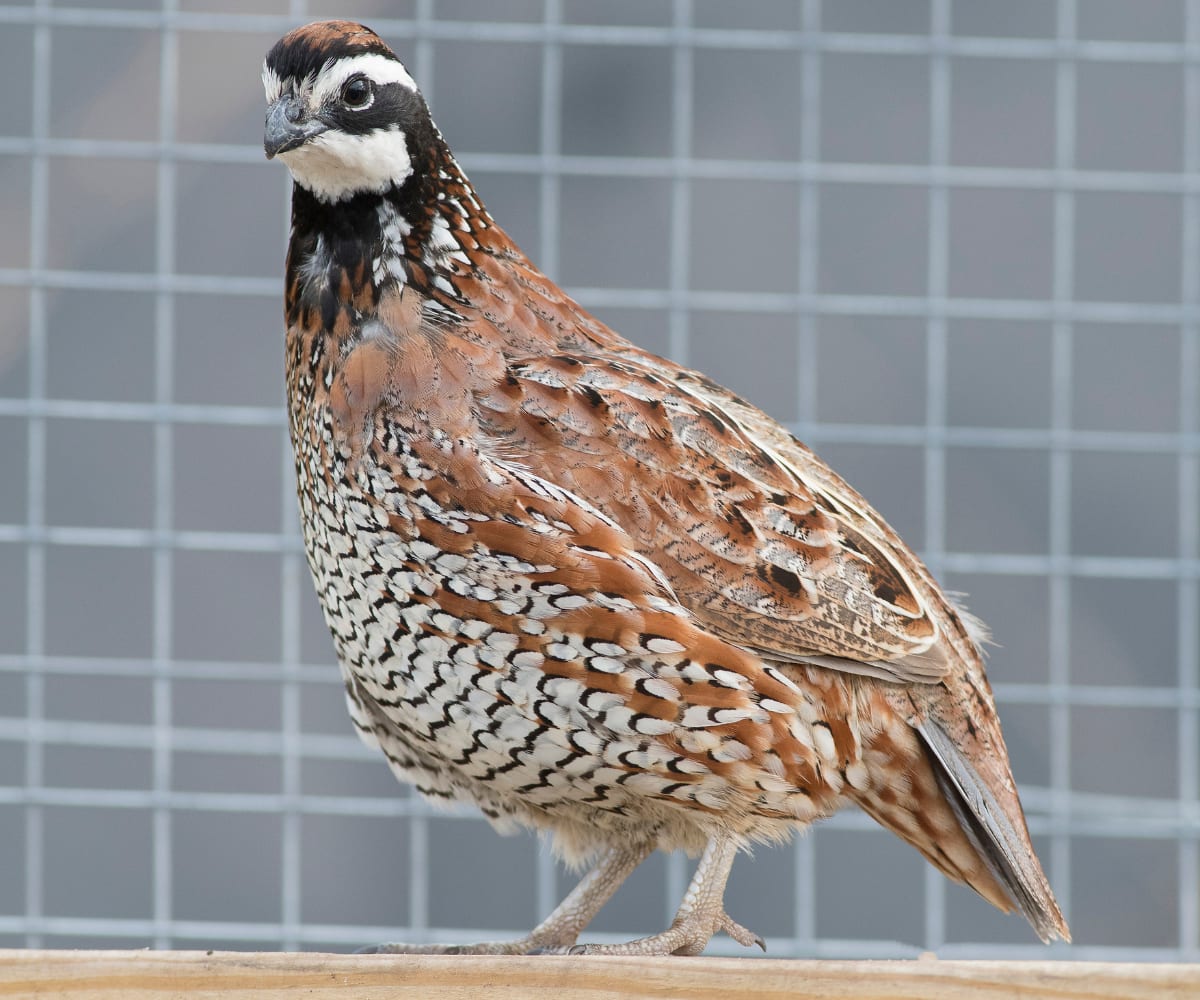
column 288, row 126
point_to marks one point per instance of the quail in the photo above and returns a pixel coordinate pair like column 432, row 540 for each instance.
column 586, row 589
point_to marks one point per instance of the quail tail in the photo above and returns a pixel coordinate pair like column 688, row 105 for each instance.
column 1002, row 845
column 951, row 795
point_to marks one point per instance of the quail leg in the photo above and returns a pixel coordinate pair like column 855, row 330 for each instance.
column 559, row 931
column 700, row 915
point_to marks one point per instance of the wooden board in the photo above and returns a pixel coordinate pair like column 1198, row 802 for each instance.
column 184, row 975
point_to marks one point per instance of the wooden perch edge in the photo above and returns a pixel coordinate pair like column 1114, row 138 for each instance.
column 150, row 975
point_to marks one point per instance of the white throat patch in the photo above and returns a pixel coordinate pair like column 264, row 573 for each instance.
column 336, row 165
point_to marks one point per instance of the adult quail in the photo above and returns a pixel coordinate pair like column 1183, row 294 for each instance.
column 580, row 586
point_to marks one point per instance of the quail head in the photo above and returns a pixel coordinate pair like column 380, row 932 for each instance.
column 588, row 590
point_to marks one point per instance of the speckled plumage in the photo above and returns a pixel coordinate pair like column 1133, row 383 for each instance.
column 588, row 590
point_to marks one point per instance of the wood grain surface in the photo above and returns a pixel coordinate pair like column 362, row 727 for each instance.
column 184, row 975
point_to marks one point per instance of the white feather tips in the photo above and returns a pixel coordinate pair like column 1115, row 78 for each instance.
column 272, row 84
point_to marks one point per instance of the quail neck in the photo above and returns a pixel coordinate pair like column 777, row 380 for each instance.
column 588, row 590
column 379, row 199
column 373, row 175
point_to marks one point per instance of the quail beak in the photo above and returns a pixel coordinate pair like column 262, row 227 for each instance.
column 289, row 125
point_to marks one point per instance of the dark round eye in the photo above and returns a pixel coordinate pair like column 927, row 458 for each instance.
column 358, row 93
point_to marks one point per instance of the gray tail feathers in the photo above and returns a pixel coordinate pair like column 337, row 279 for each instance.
column 1002, row 844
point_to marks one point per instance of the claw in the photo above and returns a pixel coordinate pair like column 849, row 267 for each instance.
column 742, row 935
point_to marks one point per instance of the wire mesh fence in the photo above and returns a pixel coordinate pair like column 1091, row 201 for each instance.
column 953, row 245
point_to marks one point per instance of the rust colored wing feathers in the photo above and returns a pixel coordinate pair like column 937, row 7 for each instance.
column 758, row 554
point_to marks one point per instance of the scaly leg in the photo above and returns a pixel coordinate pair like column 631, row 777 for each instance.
column 700, row 915
column 561, row 929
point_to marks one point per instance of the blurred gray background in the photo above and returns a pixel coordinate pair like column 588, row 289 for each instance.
column 953, row 245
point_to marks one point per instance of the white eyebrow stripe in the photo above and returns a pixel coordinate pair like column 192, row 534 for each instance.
column 379, row 69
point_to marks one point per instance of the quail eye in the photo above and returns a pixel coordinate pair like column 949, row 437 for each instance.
column 358, row 93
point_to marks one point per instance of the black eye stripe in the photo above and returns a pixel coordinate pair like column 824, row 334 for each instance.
column 392, row 106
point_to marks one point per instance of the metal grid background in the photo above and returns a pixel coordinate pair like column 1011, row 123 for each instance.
column 955, row 245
